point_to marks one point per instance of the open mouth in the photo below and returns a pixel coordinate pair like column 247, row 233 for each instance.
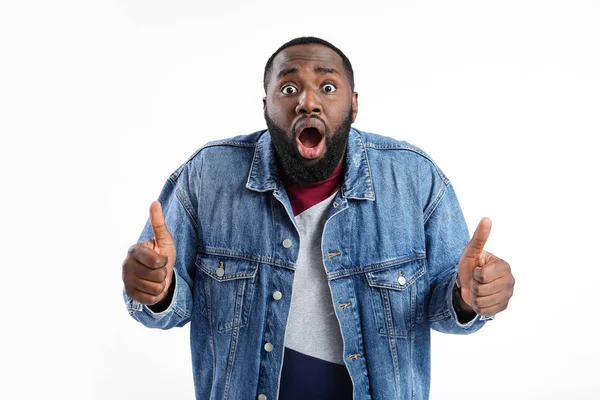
column 310, row 137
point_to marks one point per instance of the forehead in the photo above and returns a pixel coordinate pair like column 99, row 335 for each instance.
column 307, row 56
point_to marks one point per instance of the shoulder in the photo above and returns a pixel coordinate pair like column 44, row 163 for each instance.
column 219, row 153
column 403, row 154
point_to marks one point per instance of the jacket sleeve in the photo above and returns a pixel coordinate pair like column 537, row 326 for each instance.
column 446, row 236
column 181, row 223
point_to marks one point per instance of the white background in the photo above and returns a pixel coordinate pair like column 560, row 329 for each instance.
column 101, row 100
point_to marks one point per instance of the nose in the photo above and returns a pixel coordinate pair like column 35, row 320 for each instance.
column 308, row 103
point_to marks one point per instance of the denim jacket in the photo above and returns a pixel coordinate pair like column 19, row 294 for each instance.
column 390, row 247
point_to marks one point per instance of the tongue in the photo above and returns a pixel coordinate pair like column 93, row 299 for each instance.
column 310, row 137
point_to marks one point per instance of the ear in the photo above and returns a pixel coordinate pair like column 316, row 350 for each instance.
column 264, row 103
column 354, row 106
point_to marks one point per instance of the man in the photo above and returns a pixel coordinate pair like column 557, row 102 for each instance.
column 312, row 259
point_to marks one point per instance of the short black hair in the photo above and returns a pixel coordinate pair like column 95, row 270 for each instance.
column 308, row 40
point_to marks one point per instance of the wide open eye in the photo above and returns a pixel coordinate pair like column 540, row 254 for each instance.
column 329, row 88
column 288, row 89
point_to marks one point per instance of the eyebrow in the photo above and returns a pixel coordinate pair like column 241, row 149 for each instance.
column 318, row 70
column 323, row 70
column 287, row 71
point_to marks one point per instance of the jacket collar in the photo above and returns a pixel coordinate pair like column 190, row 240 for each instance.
column 358, row 182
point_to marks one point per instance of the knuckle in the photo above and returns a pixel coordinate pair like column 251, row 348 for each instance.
column 133, row 250
column 483, row 276
column 154, row 299
column 157, row 263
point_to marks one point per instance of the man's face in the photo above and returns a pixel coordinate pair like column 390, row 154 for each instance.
column 309, row 108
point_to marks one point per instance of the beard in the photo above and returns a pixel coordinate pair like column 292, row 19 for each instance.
column 295, row 167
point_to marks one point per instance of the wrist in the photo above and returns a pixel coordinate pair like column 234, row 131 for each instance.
column 463, row 310
column 165, row 302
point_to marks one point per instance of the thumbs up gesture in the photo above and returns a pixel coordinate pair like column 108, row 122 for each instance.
column 148, row 267
column 486, row 281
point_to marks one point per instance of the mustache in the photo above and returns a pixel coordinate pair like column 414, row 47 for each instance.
column 309, row 116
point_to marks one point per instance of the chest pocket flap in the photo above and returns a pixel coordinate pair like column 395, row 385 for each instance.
column 224, row 268
column 397, row 277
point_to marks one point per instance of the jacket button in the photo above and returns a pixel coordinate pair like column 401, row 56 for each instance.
column 262, row 397
column 220, row 272
column 402, row 280
column 268, row 347
column 277, row 295
column 287, row 243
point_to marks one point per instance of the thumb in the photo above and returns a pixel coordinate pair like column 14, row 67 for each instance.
column 162, row 236
column 475, row 247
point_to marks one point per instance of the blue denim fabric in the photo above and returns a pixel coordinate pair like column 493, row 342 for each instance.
column 399, row 231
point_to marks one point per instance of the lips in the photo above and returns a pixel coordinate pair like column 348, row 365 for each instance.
column 309, row 137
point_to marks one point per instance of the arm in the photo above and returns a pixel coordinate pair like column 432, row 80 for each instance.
column 481, row 284
column 446, row 236
column 167, row 250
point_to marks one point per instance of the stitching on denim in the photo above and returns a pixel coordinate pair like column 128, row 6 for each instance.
column 212, row 332
column 434, row 204
column 375, row 267
column 229, row 143
column 175, row 175
column 413, row 306
column 215, row 251
column 370, row 194
column 234, row 334
column 182, row 313
column 391, row 331
column 361, row 346
column 414, row 150
column 370, row 279
column 269, row 185
column 187, row 206
column 227, row 277
column 132, row 308
column 372, row 189
column 251, row 174
column 440, row 316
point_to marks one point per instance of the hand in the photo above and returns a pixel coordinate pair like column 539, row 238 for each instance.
column 148, row 267
column 486, row 281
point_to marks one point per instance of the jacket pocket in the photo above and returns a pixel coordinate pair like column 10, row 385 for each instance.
column 228, row 284
column 397, row 295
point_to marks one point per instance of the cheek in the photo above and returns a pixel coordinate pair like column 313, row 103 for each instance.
column 339, row 115
column 278, row 111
